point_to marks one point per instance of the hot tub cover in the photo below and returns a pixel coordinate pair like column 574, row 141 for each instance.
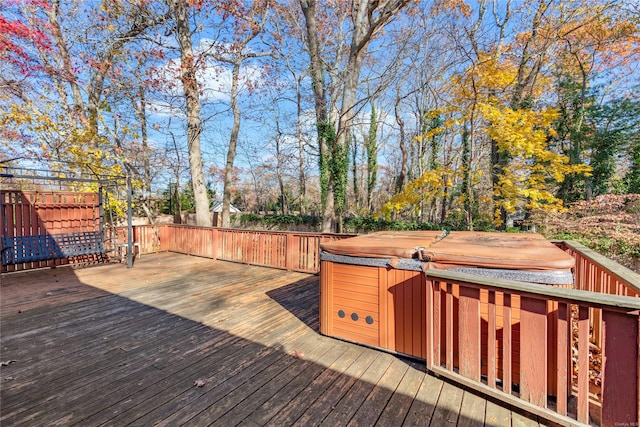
column 458, row 249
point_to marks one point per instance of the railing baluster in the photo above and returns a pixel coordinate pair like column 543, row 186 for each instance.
column 469, row 332
column 507, row 345
column 437, row 323
column 491, row 340
column 562, row 356
column 620, row 388
column 449, row 326
column 430, row 322
column 533, row 354
column 583, row 364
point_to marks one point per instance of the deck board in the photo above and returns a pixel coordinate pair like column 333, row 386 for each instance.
column 400, row 402
column 182, row 340
column 472, row 411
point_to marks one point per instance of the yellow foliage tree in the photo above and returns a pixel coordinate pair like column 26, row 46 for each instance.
column 426, row 188
column 529, row 170
column 527, row 180
column 40, row 132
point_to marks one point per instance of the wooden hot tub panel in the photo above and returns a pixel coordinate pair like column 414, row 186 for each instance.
column 406, row 322
column 354, row 313
column 380, row 307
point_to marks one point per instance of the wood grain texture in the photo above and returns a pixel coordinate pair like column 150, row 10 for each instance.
column 507, row 347
column 583, row 364
column 492, row 359
column 620, row 369
column 449, row 327
column 563, row 355
column 533, row 346
column 469, row 333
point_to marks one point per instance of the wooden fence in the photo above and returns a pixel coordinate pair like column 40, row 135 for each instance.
column 466, row 314
column 285, row 250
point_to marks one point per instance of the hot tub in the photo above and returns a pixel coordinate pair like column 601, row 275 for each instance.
column 372, row 287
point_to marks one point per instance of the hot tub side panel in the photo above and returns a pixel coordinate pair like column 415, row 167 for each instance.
column 349, row 302
column 406, row 322
column 376, row 306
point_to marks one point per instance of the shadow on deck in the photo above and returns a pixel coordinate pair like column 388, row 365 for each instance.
column 181, row 340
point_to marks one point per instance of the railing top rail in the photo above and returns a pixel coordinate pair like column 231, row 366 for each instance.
column 547, row 291
column 304, row 233
column 622, row 273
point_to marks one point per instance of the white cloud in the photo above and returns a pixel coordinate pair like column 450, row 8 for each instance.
column 214, row 78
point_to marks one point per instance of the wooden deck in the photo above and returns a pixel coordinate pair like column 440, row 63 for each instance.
column 181, row 340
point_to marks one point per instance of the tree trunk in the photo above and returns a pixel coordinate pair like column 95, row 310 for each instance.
column 526, row 77
column 467, row 185
column 302, row 179
column 347, row 113
column 284, row 203
column 372, row 157
column 354, row 172
column 141, row 111
column 368, row 18
column 402, row 144
column 313, row 43
column 192, row 97
column 68, row 73
column 233, row 142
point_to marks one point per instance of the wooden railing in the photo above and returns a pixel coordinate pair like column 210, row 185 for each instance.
column 286, row 250
column 527, row 345
column 565, row 394
column 596, row 273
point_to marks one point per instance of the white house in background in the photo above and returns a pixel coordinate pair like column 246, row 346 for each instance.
column 217, row 212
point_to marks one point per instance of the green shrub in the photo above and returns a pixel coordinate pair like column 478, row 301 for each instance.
column 249, row 218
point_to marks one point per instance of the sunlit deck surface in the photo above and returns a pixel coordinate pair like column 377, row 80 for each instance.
column 185, row 340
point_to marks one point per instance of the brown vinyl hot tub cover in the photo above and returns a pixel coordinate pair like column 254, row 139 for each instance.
column 458, row 249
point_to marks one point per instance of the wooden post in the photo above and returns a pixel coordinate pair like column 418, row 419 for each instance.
column 620, row 369
column 385, row 298
column 469, row 333
column 437, row 323
column 289, row 251
column 563, row 354
column 429, row 313
column 215, row 242
column 533, row 340
column 449, row 326
column 507, row 348
column 492, row 358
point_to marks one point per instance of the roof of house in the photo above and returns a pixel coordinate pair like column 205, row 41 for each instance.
column 217, row 207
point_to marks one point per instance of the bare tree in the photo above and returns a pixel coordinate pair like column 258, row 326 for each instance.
column 366, row 20
column 188, row 66
column 249, row 24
